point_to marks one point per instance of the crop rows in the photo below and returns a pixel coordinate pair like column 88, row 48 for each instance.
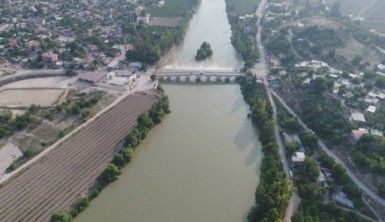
column 66, row 172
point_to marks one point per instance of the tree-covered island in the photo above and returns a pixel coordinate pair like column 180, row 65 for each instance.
column 204, row 52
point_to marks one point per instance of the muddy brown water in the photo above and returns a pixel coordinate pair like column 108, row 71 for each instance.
column 202, row 162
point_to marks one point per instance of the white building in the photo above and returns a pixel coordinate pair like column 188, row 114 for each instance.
column 371, row 109
column 298, row 157
column 358, row 117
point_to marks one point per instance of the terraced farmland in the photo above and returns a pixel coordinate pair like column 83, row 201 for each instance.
column 60, row 177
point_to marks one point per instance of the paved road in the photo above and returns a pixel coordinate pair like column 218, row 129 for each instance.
column 331, row 154
column 261, row 70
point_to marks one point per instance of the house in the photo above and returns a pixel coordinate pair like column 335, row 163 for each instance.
column 381, row 67
column 134, row 66
column 358, row 133
column 358, row 117
column 376, row 132
column 145, row 19
column 328, row 175
column 298, row 157
column 50, row 57
column 33, row 45
column 92, row 48
column 371, row 109
column 341, row 199
column 371, row 100
column 92, row 77
column 322, row 179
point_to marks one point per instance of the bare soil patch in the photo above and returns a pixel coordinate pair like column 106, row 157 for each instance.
column 25, row 97
column 354, row 48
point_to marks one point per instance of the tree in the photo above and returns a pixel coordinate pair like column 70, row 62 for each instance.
column 28, row 153
column 291, row 147
column 380, row 82
column 5, row 116
column 311, row 169
column 144, row 52
column 79, row 206
column 145, row 121
column 61, row 216
column 319, row 85
column 339, row 173
column 204, row 52
column 309, row 140
column 110, row 174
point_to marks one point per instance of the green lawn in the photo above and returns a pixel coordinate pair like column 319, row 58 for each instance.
column 173, row 8
column 243, row 7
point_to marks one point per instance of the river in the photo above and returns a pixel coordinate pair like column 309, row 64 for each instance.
column 202, row 162
column 209, row 24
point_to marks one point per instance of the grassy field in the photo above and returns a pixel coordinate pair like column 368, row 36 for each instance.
column 371, row 10
column 354, row 48
column 172, row 8
column 243, row 7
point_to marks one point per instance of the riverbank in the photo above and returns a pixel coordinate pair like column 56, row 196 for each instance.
column 274, row 190
column 60, row 174
column 244, row 32
column 145, row 122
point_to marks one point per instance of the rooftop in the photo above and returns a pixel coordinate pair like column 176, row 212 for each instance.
column 92, row 77
column 358, row 117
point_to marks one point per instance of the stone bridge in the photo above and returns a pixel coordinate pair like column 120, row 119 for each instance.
column 201, row 76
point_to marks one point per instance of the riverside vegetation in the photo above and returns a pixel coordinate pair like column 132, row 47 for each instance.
column 273, row 191
column 145, row 122
column 150, row 42
column 244, row 32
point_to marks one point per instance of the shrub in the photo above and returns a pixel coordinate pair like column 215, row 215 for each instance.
column 61, row 216
column 109, row 174
column 79, row 206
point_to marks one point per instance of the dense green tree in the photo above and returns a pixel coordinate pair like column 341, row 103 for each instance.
column 61, row 216
column 380, row 82
column 309, row 140
column 204, row 52
column 291, row 147
column 110, row 174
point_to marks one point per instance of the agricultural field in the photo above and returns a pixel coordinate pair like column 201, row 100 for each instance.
column 172, row 8
column 243, row 7
column 372, row 11
column 68, row 170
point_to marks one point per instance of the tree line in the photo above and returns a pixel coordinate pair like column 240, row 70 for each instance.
column 273, row 190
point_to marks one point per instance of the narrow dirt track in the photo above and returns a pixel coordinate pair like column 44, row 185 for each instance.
column 66, row 172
